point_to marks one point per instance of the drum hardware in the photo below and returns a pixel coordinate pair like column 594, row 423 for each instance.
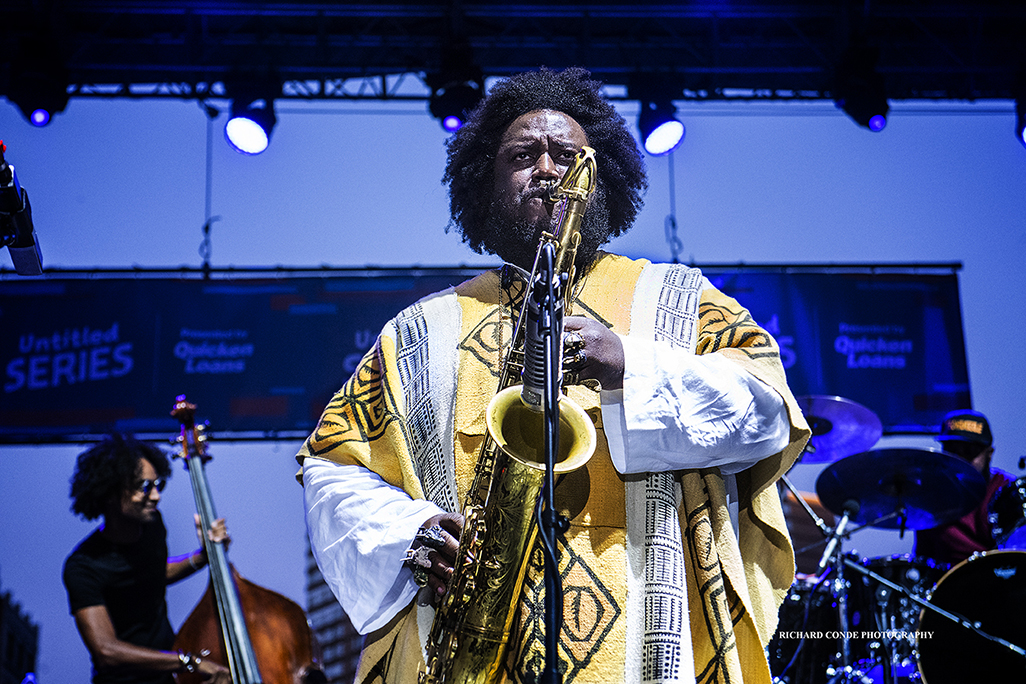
column 839, row 623
column 1007, row 515
column 887, row 489
column 819, row 522
column 808, row 607
column 926, row 605
column 886, row 621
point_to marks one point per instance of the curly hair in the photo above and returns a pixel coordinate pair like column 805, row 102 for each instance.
column 109, row 467
column 472, row 149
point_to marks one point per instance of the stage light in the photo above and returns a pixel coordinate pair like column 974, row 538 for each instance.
column 859, row 88
column 38, row 84
column 452, row 102
column 250, row 124
column 1020, row 120
column 457, row 86
column 661, row 131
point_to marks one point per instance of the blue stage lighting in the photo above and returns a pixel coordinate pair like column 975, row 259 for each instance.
column 661, row 131
column 859, row 88
column 451, row 103
column 250, row 124
column 39, row 117
column 1020, row 120
column 37, row 78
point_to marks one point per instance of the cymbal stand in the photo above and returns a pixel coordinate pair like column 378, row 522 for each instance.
column 820, row 523
column 839, row 591
column 886, row 653
column 847, row 673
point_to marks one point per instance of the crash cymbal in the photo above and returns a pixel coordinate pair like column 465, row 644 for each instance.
column 840, row 427
column 919, row 488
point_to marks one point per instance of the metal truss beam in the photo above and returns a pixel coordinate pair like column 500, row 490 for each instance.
column 965, row 50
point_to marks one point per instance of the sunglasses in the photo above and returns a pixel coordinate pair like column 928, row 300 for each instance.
column 147, row 486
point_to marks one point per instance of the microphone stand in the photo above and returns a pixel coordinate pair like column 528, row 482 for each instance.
column 550, row 327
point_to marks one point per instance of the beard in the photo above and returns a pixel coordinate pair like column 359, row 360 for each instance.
column 515, row 239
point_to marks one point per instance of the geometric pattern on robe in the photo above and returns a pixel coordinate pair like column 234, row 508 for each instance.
column 389, row 419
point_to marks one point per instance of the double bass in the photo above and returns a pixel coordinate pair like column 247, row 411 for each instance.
column 261, row 636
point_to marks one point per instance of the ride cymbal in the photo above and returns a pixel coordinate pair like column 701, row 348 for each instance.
column 913, row 489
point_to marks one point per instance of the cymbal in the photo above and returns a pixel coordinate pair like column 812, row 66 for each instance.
column 840, row 427
column 919, row 488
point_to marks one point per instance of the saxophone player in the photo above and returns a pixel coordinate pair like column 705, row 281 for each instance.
column 676, row 555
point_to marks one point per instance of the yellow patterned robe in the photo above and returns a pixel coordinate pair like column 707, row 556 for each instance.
column 734, row 584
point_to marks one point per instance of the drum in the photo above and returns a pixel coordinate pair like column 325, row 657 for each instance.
column 800, row 652
column 884, row 619
column 1007, row 516
column 989, row 589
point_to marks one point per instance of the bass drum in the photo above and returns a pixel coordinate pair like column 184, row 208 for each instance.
column 989, row 589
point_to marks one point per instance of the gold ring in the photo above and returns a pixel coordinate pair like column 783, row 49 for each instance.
column 420, row 576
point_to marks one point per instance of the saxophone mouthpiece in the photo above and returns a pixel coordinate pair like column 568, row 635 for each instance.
column 550, row 188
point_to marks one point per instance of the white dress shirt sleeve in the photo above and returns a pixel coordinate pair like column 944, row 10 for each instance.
column 679, row 410
column 360, row 528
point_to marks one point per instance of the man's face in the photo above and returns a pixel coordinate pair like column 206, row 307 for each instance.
column 537, row 147
column 975, row 454
column 140, row 498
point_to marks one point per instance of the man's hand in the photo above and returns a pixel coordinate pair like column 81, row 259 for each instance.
column 594, row 350
column 214, row 673
column 218, row 532
column 440, row 536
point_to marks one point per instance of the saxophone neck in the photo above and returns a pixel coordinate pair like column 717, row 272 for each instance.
column 578, row 181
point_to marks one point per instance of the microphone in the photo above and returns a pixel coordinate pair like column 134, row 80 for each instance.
column 542, row 315
column 16, row 230
column 851, row 509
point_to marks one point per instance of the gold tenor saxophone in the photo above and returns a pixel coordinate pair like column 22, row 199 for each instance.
column 467, row 642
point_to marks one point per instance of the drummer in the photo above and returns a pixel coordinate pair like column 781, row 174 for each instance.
column 966, row 434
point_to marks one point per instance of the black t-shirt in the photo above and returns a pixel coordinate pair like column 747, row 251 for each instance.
column 129, row 579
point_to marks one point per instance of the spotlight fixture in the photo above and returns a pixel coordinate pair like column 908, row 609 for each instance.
column 1020, row 120
column 859, row 88
column 456, row 88
column 39, row 82
column 661, row 131
column 250, row 124
column 451, row 103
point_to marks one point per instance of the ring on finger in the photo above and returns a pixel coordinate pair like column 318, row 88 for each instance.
column 572, row 341
column 578, row 360
column 433, row 536
column 420, row 576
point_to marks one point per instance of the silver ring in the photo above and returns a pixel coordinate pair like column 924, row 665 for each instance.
column 578, row 360
column 572, row 341
column 433, row 536
column 421, row 557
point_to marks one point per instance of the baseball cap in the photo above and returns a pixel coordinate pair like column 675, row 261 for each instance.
column 965, row 425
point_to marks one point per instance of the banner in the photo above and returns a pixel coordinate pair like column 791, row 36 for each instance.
column 80, row 357
column 892, row 342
